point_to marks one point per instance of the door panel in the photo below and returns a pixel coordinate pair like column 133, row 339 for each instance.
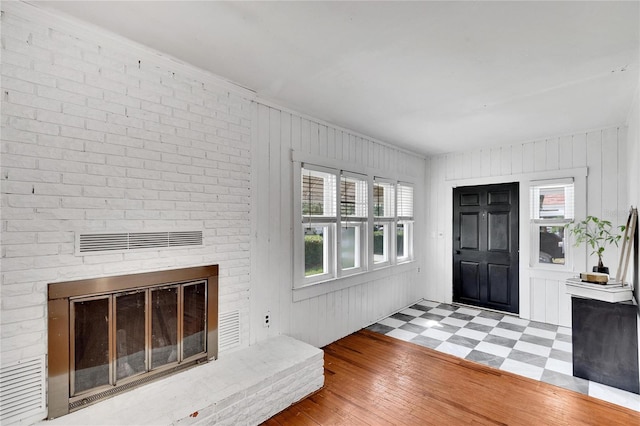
column 470, row 238
column 469, row 274
column 485, row 246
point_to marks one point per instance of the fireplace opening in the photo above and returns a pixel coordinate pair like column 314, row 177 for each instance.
column 112, row 334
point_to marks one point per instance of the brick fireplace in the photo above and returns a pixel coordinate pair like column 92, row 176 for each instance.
column 111, row 334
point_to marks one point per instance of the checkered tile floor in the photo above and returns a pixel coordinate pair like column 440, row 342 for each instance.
column 532, row 349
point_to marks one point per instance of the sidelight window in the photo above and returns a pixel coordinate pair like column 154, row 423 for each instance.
column 552, row 208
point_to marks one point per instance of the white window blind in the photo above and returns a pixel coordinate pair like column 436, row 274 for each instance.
column 318, row 193
column 383, row 199
column 405, row 201
column 353, row 197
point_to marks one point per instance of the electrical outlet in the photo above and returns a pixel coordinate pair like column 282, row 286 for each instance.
column 267, row 319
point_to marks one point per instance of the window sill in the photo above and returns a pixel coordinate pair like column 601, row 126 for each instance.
column 334, row 284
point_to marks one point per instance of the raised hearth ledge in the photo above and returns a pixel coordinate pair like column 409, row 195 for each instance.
column 247, row 386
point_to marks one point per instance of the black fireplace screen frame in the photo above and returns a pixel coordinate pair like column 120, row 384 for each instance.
column 60, row 299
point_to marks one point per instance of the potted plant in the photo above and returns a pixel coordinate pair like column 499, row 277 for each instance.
column 597, row 234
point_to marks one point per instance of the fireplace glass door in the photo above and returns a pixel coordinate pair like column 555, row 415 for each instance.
column 118, row 337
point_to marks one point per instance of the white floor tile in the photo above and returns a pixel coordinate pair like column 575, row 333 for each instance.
column 614, row 395
column 560, row 366
column 562, row 346
column 453, row 349
column 428, row 303
column 492, row 349
column 412, row 312
column 522, row 369
column 509, row 334
column 565, row 330
column 442, row 312
column 392, row 322
column 516, row 321
column 532, row 348
column 485, row 321
column 540, row 333
column 471, row 334
column 436, row 334
column 468, row 311
column 424, row 322
column 454, row 321
column 398, row 333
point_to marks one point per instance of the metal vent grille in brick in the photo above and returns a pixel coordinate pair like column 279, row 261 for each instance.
column 229, row 330
column 22, row 390
column 110, row 242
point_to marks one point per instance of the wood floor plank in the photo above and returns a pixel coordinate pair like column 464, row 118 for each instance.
column 372, row 379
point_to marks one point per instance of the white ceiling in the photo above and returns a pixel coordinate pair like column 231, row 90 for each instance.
column 432, row 77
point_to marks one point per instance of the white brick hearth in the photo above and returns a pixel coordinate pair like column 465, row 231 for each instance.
column 245, row 387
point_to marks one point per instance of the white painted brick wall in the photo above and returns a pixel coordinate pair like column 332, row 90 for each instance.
column 97, row 136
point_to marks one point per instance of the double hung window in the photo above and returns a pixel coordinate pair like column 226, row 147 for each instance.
column 351, row 223
column 404, row 225
column 552, row 208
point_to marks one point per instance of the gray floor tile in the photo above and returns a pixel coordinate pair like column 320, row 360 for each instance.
column 537, row 360
column 463, row 341
column 485, row 358
column 413, row 328
column 543, row 326
column 426, row 341
column 537, row 340
column 479, row 327
column 512, row 327
column 402, row 317
column 491, row 315
column 563, row 338
column 501, row 341
column 447, row 307
column 431, row 316
column 561, row 355
column 460, row 316
column 379, row 328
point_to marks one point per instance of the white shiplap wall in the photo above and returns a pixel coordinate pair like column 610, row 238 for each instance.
column 600, row 153
column 331, row 310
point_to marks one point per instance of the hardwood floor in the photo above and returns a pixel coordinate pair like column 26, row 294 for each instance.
column 372, row 379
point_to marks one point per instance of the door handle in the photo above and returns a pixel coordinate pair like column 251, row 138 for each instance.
column 457, row 251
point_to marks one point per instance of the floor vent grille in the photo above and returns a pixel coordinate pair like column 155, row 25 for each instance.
column 22, row 390
column 229, row 330
column 110, row 242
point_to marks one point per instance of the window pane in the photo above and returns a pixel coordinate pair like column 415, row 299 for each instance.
column 353, row 197
column 130, row 334
column 405, row 201
column 400, row 240
column 383, row 199
column 194, row 321
column 315, row 250
column 350, row 246
column 380, row 242
column 164, row 330
column 318, row 193
column 91, row 340
column 552, row 245
column 552, row 201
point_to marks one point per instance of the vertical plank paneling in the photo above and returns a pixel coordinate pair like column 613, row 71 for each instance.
column 565, row 152
column 540, row 156
column 275, row 234
column 314, row 138
column 485, row 165
column 505, row 160
column 286, row 201
column 516, row 159
column 528, row 155
column 594, row 181
column 296, row 133
column 580, row 150
column 623, row 172
column 496, row 160
column 331, row 143
column 467, row 166
column 322, row 141
column 305, row 135
column 610, row 182
column 476, row 164
column 538, row 299
column 551, row 314
column 552, row 154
